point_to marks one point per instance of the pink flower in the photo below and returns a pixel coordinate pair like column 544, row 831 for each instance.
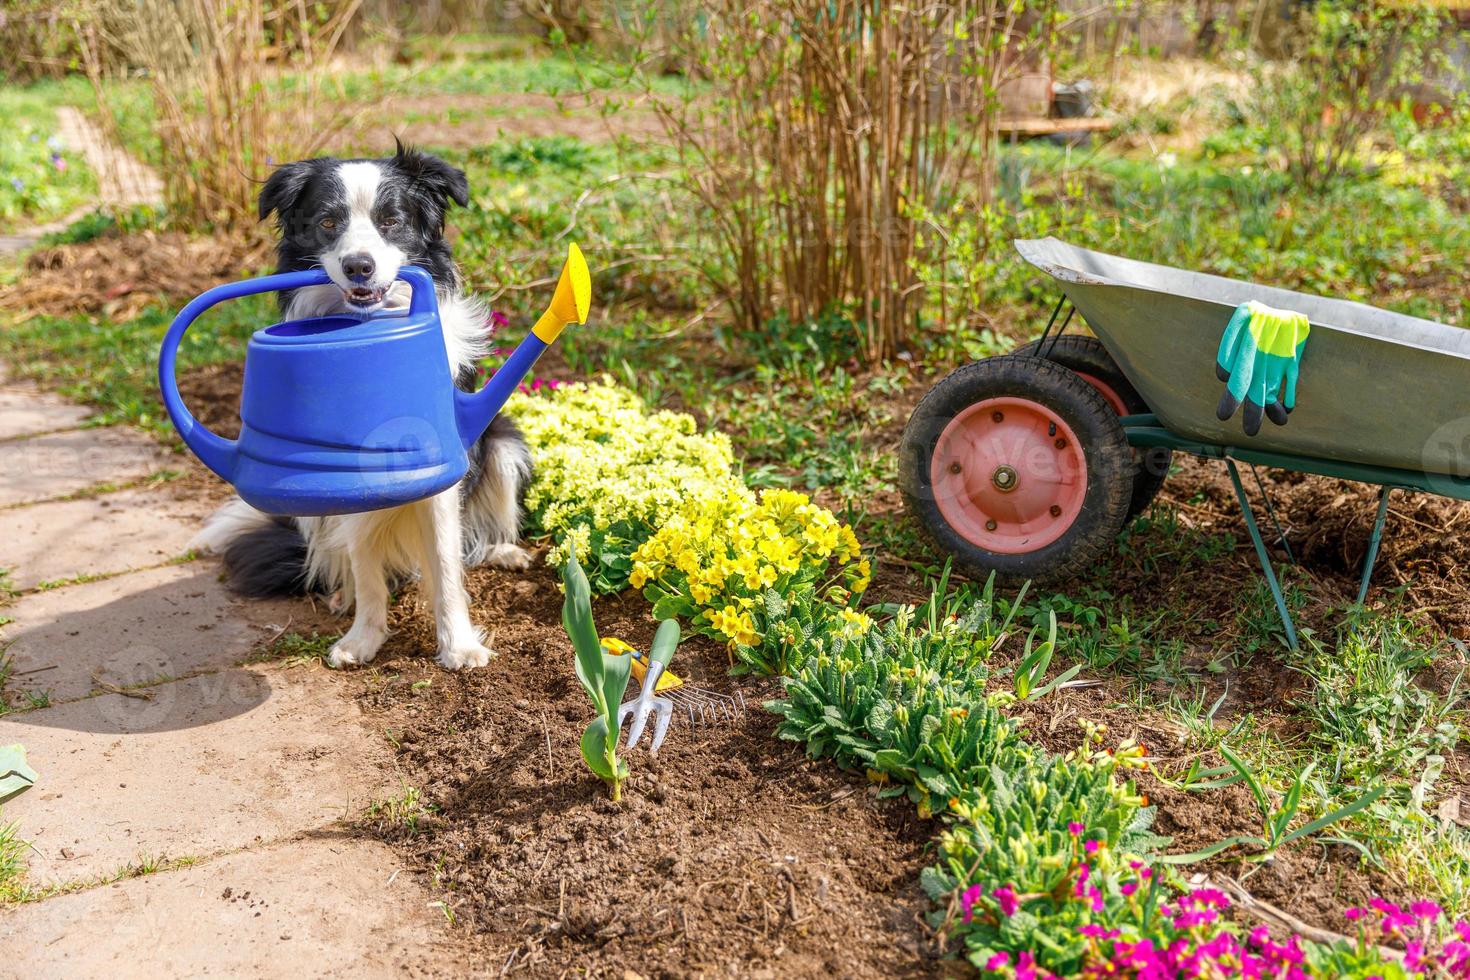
column 998, row 962
column 1091, row 846
column 1425, row 910
column 1128, row 888
column 1075, row 829
column 1354, row 914
column 1005, row 896
column 968, row 898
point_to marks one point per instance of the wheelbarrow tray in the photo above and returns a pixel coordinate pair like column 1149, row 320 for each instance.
column 1377, row 388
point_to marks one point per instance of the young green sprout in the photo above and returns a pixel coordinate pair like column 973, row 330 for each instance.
column 604, row 677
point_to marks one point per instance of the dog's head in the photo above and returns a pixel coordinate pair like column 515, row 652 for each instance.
column 362, row 220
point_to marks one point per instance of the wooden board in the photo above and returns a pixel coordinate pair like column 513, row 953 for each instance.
column 1041, row 126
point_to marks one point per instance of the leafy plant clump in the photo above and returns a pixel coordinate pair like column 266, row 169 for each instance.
column 604, row 676
column 764, row 574
column 609, row 472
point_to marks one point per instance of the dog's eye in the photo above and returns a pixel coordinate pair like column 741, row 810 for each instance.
column 387, row 223
column 328, row 224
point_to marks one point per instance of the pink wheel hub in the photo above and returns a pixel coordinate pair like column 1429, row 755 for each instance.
column 1009, row 475
column 1106, row 390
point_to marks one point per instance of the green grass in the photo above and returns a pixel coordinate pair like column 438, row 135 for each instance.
column 34, row 187
column 296, row 649
column 1368, row 239
column 12, row 863
column 110, row 365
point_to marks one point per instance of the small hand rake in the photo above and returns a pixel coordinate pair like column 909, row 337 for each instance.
column 699, row 706
column 664, row 643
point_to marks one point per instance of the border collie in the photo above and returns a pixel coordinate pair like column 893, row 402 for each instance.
column 361, row 220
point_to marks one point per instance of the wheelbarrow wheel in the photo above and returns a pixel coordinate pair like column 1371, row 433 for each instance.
column 1087, row 357
column 1017, row 465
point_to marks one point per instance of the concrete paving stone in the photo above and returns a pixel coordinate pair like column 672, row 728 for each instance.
column 319, row 907
column 25, row 411
column 64, row 539
column 138, row 628
column 201, row 766
column 64, row 462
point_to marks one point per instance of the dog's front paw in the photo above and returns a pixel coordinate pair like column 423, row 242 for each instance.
column 357, row 647
column 464, row 653
column 511, row 557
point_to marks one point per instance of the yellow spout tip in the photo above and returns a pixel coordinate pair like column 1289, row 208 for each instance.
column 581, row 281
column 573, row 298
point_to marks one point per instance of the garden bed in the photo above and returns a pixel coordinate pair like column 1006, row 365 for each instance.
column 732, row 848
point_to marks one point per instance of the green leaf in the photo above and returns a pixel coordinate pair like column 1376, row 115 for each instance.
column 15, row 775
column 1341, row 813
column 594, row 749
column 1056, row 682
column 616, row 669
column 1213, row 849
column 576, row 618
column 1262, row 800
column 673, row 606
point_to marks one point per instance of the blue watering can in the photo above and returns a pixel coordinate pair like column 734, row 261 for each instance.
column 344, row 414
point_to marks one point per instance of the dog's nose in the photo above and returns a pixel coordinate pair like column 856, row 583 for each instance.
column 358, row 267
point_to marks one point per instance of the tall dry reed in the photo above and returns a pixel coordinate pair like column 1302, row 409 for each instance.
column 826, row 130
column 236, row 86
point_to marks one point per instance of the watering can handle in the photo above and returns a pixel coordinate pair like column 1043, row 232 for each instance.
column 215, row 451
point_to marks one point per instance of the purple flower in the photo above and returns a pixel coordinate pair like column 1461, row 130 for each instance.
column 498, row 319
column 18, row 184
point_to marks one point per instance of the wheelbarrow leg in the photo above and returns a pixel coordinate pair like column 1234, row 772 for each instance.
column 1261, row 554
column 1374, row 540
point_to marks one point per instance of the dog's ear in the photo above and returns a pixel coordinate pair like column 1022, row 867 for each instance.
column 284, row 187
column 444, row 181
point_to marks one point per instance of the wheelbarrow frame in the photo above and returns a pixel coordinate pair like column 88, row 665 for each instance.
column 1147, row 431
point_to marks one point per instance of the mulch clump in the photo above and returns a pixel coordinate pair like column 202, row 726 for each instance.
column 732, row 853
column 119, row 275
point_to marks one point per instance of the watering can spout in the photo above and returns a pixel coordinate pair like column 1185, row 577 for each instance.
column 569, row 304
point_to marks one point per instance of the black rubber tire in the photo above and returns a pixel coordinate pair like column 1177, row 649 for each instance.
column 1088, row 355
column 1105, row 449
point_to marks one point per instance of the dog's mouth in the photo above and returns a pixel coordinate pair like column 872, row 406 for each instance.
column 366, row 298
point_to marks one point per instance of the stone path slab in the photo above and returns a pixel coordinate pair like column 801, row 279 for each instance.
column 211, row 764
column 102, row 535
column 316, row 907
column 25, row 411
column 157, row 624
column 52, row 465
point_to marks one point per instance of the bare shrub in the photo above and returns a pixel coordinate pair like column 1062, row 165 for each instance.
column 236, row 86
column 816, row 134
column 1343, row 63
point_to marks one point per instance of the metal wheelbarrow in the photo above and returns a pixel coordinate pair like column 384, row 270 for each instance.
column 1028, row 464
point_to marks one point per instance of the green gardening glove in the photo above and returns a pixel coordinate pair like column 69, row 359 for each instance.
column 1259, row 358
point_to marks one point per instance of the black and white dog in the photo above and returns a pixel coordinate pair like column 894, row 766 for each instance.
column 361, row 220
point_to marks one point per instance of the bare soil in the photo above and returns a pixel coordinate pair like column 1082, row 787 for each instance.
column 731, row 853
column 118, row 275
